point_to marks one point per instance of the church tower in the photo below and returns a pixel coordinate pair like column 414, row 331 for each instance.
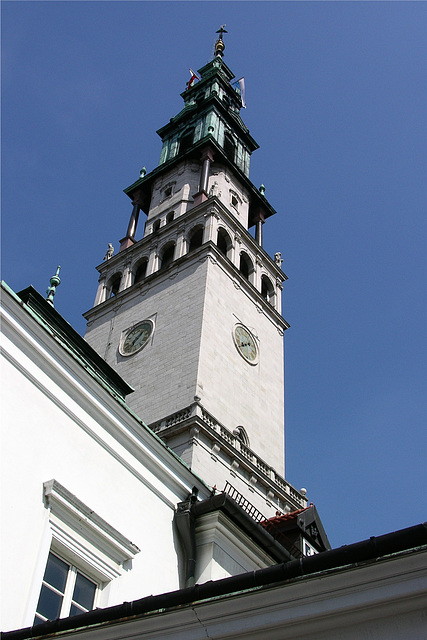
column 190, row 315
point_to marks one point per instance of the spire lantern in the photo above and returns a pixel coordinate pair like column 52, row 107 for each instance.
column 219, row 45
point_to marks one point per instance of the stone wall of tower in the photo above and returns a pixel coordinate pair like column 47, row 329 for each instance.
column 235, row 392
column 195, row 305
column 183, row 182
column 224, row 185
column 164, row 373
column 174, row 191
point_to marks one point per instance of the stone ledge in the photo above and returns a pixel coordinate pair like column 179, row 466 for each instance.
column 195, row 420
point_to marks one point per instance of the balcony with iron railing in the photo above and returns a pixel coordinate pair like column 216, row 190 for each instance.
column 186, row 418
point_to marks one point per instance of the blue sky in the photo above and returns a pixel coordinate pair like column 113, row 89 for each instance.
column 336, row 98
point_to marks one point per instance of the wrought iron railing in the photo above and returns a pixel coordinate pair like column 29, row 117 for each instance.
column 256, row 515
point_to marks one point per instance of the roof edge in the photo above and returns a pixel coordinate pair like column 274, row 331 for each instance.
column 405, row 540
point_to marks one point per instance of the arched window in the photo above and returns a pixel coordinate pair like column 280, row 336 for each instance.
column 167, row 256
column 140, row 271
column 267, row 289
column 170, row 217
column 114, row 285
column 156, row 225
column 245, row 265
column 240, row 433
column 223, row 241
column 229, row 147
column 195, row 239
column 186, row 140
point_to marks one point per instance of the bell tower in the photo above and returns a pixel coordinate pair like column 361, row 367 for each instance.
column 190, row 314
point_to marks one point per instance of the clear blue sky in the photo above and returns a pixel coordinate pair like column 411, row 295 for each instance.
column 337, row 100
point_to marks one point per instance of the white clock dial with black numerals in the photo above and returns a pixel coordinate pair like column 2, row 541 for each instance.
column 245, row 344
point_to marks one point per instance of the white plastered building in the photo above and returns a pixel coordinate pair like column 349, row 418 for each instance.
column 84, row 479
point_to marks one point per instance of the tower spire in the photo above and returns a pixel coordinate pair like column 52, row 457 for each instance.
column 55, row 281
column 219, row 45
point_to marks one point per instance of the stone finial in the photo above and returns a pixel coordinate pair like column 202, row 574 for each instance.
column 55, row 281
column 219, row 44
column 110, row 252
column 278, row 258
column 142, row 172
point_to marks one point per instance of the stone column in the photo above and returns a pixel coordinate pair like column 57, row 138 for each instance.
column 211, row 226
column 129, row 238
column 257, row 273
column 206, row 159
column 101, row 293
column 180, row 244
column 153, row 260
column 259, row 221
column 278, row 301
column 126, row 277
column 235, row 254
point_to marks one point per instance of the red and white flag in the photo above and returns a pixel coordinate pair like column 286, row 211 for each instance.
column 193, row 78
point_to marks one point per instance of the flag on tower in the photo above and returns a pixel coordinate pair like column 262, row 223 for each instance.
column 193, row 78
column 239, row 86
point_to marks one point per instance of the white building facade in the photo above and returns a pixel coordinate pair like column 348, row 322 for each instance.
column 84, row 479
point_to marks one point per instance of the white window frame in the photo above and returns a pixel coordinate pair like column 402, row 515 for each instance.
column 84, row 540
column 238, row 199
column 67, row 595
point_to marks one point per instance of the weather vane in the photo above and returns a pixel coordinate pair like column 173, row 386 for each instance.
column 219, row 45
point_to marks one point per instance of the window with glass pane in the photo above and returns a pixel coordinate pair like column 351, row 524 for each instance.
column 83, row 595
column 65, row 591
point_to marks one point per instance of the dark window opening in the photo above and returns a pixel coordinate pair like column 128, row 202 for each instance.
column 141, row 272
column 186, row 141
column 267, row 289
column 156, row 226
column 196, row 239
column 229, row 147
column 223, row 241
column 115, row 285
column 245, row 266
column 167, row 192
column 170, row 217
column 167, row 257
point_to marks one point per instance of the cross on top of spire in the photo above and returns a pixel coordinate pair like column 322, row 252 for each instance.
column 219, row 45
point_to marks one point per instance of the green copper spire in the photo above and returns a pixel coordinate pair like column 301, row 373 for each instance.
column 55, row 281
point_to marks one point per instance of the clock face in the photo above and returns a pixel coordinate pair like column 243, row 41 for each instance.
column 136, row 338
column 245, row 343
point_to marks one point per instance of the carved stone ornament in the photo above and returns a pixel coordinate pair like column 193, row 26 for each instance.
column 110, row 252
